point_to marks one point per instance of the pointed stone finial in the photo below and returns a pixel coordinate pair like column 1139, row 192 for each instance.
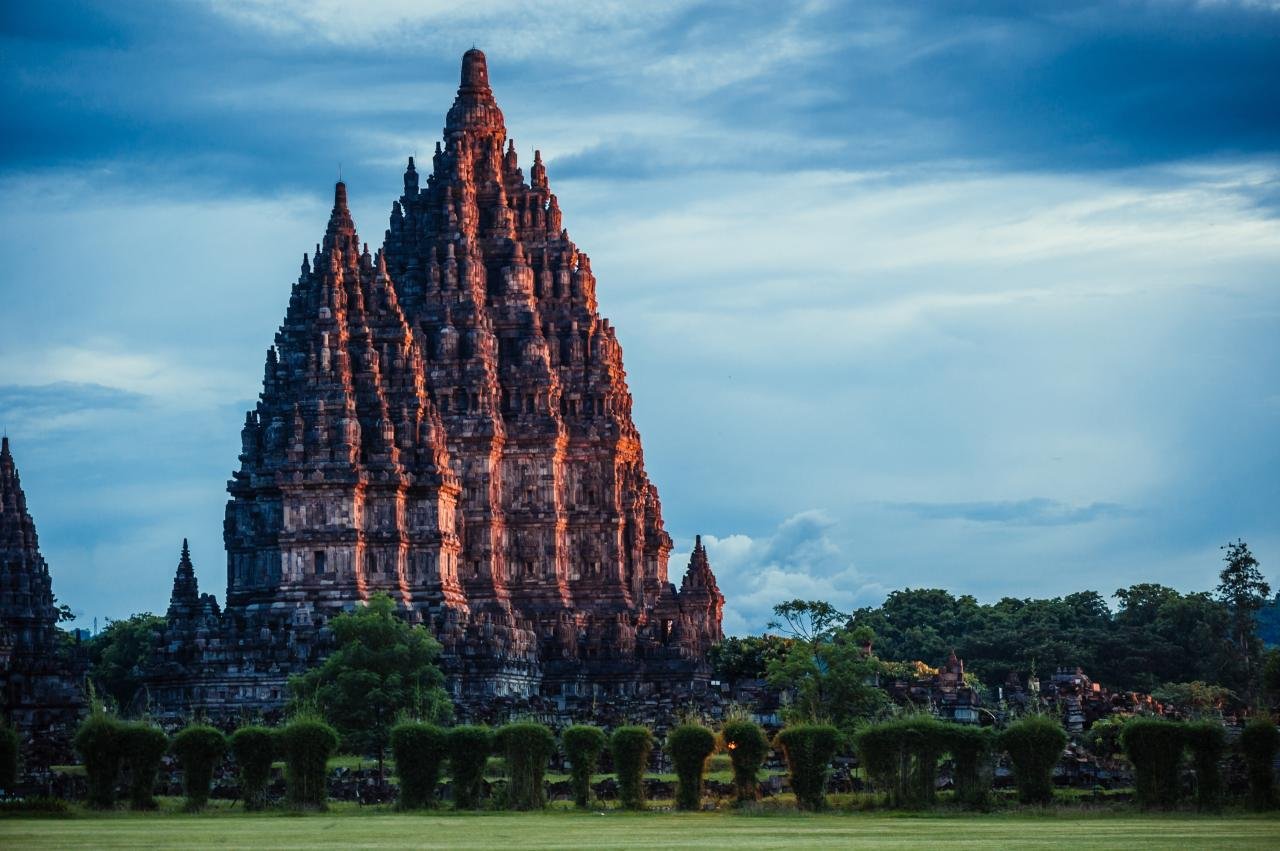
column 340, row 196
column 4, row 445
column 186, row 551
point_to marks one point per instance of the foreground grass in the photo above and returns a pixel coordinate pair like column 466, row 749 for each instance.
column 368, row 828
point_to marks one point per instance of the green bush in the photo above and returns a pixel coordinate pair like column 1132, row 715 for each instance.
column 9, row 748
column 1034, row 745
column 631, row 747
column 901, row 758
column 306, row 744
column 527, row 746
column 469, row 749
column 98, row 741
column 253, row 748
column 1208, row 742
column 689, row 746
column 420, row 750
column 808, row 749
column 582, row 746
column 971, row 749
column 747, row 746
column 1155, row 747
column 1258, row 744
column 199, row 749
column 142, row 746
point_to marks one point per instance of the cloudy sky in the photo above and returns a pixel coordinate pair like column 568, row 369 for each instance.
column 980, row 296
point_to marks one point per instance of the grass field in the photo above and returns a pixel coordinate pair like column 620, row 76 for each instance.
column 510, row 831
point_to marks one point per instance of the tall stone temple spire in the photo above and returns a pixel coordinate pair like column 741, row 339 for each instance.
column 26, row 593
column 447, row 420
column 38, row 682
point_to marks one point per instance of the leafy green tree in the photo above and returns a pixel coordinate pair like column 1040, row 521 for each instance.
column 1243, row 590
column 381, row 668
column 747, row 658
column 1197, row 698
column 120, row 655
column 827, row 671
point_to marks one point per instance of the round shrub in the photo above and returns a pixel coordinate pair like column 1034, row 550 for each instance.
column 98, row 741
column 747, row 746
column 631, row 747
column 1258, row 744
column 971, row 749
column 582, row 746
column 9, row 748
column 808, row 749
column 901, row 758
column 199, row 749
column 142, row 746
column 469, row 749
column 1034, row 745
column 306, row 744
column 1208, row 742
column 527, row 746
column 1155, row 747
column 689, row 746
column 419, row 749
column 253, row 748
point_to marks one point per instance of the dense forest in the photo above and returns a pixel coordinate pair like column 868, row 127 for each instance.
column 1154, row 635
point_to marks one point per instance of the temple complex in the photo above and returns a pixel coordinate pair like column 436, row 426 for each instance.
column 447, row 420
column 40, row 681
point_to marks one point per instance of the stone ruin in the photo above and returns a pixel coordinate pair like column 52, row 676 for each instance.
column 447, row 420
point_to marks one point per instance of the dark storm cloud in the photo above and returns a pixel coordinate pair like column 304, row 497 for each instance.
column 1023, row 512
column 40, row 402
column 180, row 94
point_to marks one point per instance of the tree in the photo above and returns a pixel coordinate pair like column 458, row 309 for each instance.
column 1197, row 698
column 1244, row 592
column 120, row 655
column 828, row 671
column 747, row 658
column 381, row 668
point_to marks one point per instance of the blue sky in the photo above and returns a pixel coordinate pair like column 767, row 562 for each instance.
column 973, row 295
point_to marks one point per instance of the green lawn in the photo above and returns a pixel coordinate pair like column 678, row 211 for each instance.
column 380, row 829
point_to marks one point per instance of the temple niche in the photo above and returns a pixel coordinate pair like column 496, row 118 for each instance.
column 447, row 420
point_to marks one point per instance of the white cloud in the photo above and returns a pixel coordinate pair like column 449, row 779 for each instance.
column 798, row 560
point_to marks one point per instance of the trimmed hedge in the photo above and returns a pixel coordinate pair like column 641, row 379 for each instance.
column 527, row 746
column 10, row 746
column 420, row 750
column 808, row 749
column 1258, row 744
column 631, row 747
column 199, row 749
column 1208, row 742
column 469, row 749
column 98, row 743
column 971, row 752
column 689, row 746
column 901, row 758
column 1034, row 745
column 1155, row 747
column 254, row 749
column 306, row 744
column 142, row 746
column 582, row 746
column 747, row 746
